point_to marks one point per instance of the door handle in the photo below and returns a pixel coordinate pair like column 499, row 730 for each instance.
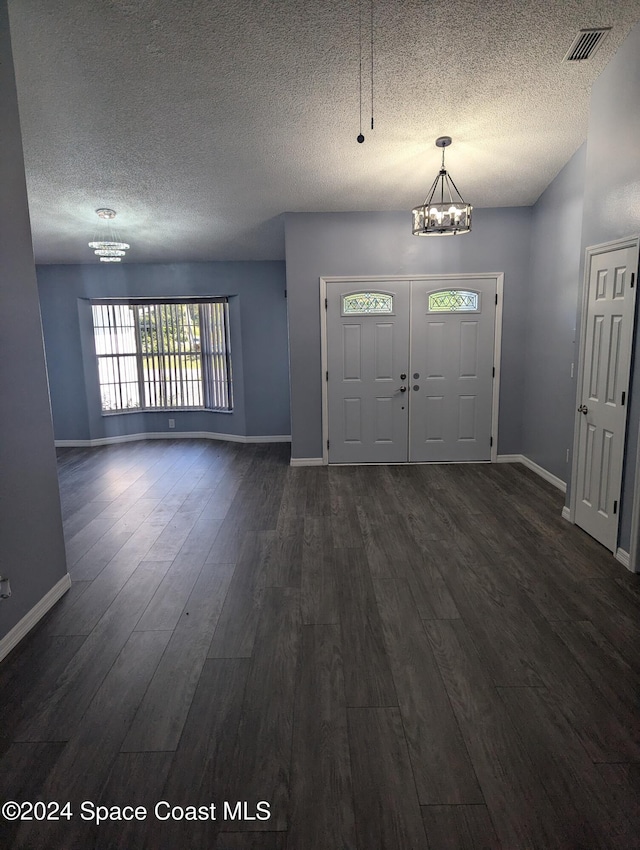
column 403, row 389
column 583, row 409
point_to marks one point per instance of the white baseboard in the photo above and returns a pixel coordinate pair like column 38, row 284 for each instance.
column 534, row 467
column 566, row 513
column 272, row 438
column 623, row 557
column 172, row 435
column 510, row 459
column 306, row 461
column 24, row 626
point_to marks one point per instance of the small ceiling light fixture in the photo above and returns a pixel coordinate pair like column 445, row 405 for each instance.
column 110, row 250
column 444, row 213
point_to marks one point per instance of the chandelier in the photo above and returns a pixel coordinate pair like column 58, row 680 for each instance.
column 109, row 250
column 444, row 213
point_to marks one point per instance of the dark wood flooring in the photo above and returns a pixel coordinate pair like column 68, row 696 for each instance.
column 396, row 657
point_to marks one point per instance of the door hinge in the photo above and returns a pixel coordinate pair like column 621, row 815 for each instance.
column 496, row 297
column 494, row 371
column 615, row 507
column 327, row 443
column 326, row 303
column 624, row 395
column 326, row 376
column 633, row 279
column 285, row 293
column 490, row 441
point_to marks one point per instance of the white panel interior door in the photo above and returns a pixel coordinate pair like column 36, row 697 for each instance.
column 452, row 351
column 605, row 384
column 367, row 352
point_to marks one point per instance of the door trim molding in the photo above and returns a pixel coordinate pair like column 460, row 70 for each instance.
column 497, row 338
column 633, row 560
column 634, row 549
column 623, row 558
column 592, row 251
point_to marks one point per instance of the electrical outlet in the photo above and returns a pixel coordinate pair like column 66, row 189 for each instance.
column 172, row 423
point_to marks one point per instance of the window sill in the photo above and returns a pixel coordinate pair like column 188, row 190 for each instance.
column 108, row 413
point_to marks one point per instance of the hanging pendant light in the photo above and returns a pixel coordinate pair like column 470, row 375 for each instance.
column 110, row 250
column 444, row 213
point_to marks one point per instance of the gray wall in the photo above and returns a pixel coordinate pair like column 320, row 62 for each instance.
column 257, row 307
column 551, row 304
column 31, row 542
column 612, row 199
column 323, row 244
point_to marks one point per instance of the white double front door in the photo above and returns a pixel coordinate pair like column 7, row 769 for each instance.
column 410, row 370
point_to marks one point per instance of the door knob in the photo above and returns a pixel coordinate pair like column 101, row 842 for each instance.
column 583, row 409
column 403, row 377
column 403, row 389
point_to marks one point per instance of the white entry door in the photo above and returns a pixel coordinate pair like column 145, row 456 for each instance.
column 602, row 409
column 410, row 370
column 452, row 347
column 367, row 353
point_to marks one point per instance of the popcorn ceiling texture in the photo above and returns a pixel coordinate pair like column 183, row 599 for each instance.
column 202, row 121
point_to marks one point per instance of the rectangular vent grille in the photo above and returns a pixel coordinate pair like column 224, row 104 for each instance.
column 586, row 43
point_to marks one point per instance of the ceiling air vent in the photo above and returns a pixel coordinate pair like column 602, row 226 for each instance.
column 586, row 43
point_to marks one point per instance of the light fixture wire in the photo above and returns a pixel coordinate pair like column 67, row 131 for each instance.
column 372, row 64
column 360, row 35
column 360, row 137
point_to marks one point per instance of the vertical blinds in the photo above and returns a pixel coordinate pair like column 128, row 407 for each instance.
column 163, row 355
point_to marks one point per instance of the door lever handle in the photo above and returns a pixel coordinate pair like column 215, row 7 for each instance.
column 583, row 409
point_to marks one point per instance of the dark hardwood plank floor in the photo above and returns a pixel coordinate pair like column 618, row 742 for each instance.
column 159, row 721
column 441, row 766
column 262, row 757
column 459, row 828
column 321, row 789
column 385, row 798
column 395, row 657
column 367, row 672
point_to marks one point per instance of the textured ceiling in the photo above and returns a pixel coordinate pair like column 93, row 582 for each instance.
column 202, row 121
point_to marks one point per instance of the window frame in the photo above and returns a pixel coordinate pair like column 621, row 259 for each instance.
column 206, row 376
column 447, row 311
column 369, row 291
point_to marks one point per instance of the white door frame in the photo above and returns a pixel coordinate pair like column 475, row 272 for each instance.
column 590, row 252
column 497, row 340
